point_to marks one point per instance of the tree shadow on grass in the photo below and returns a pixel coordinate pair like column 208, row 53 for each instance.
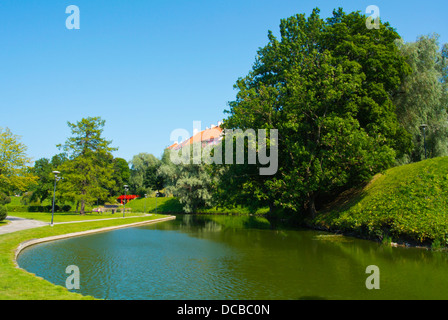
column 171, row 206
column 344, row 201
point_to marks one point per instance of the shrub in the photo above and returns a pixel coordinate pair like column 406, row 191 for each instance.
column 48, row 208
column 26, row 198
column 4, row 199
column 66, row 208
column 34, row 208
column 17, row 208
column 3, row 212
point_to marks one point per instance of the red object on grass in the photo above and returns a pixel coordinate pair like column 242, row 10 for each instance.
column 127, row 197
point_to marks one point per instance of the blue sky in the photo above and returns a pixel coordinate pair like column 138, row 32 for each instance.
column 148, row 67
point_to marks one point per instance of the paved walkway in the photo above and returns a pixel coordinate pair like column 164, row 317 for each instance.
column 17, row 224
column 104, row 219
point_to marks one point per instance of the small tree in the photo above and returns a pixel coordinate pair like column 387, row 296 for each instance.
column 3, row 212
column 190, row 183
column 44, row 186
column 121, row 175
column 143, row 165
column 4, row 198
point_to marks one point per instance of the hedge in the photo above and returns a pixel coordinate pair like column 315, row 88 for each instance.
column 17, row 208
column 64, row 208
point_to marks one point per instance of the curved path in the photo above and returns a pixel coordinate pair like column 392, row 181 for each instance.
column 17, row 224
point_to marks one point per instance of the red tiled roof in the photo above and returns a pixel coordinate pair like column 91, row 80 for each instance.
column 173, row 145
column 203, row 136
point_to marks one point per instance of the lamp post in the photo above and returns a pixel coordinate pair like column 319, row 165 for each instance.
column 144, row 210
column 424, row 126
column 56, row 179
column 125, row 194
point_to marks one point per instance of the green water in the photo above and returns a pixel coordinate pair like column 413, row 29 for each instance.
column 205, row 257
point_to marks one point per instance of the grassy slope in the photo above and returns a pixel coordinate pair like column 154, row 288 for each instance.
column 172, row 205
column 17, row 284
column 408, row 202
column 164, row 204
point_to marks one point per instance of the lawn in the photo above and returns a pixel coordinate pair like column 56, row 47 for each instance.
column 4, row 222
column 70, row 216
column 17, row 284
column 161, row 204
column 172, row 205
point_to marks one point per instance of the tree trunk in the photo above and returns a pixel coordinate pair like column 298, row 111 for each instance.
column 312, row 206
column 77, row 206
column 271, row 209
column 83, row 204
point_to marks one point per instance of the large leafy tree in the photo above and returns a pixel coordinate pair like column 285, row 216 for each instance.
column 15, row 173
column 88, row 174
column 144, row 177
column 43, row 187
column 58, row 159
column 423, row 97
column 121, row 176
column 327, row 86
column 43, row 169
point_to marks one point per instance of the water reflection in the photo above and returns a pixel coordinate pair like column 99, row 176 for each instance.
column 222, row 257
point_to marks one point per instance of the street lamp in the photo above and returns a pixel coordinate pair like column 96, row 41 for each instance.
column 56, row 179
column 125, row 194
column 424, row 126
column 144, row 211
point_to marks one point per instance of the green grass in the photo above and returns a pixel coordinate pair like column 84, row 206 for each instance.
column 4, row 222
column 68, row 217
column 138, row 206
column 17, row 284
column 15, row 201
column 406, row 203
column 172, row 205
column 164, row 205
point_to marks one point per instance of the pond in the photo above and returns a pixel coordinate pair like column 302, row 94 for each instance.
column 200, row 257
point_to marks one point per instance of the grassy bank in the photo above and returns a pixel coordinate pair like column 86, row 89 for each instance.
column 17, row 284
column 405, row 204
column 163, row 205
column 172, row 205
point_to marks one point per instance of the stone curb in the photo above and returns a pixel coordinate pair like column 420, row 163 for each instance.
column 33, row 242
